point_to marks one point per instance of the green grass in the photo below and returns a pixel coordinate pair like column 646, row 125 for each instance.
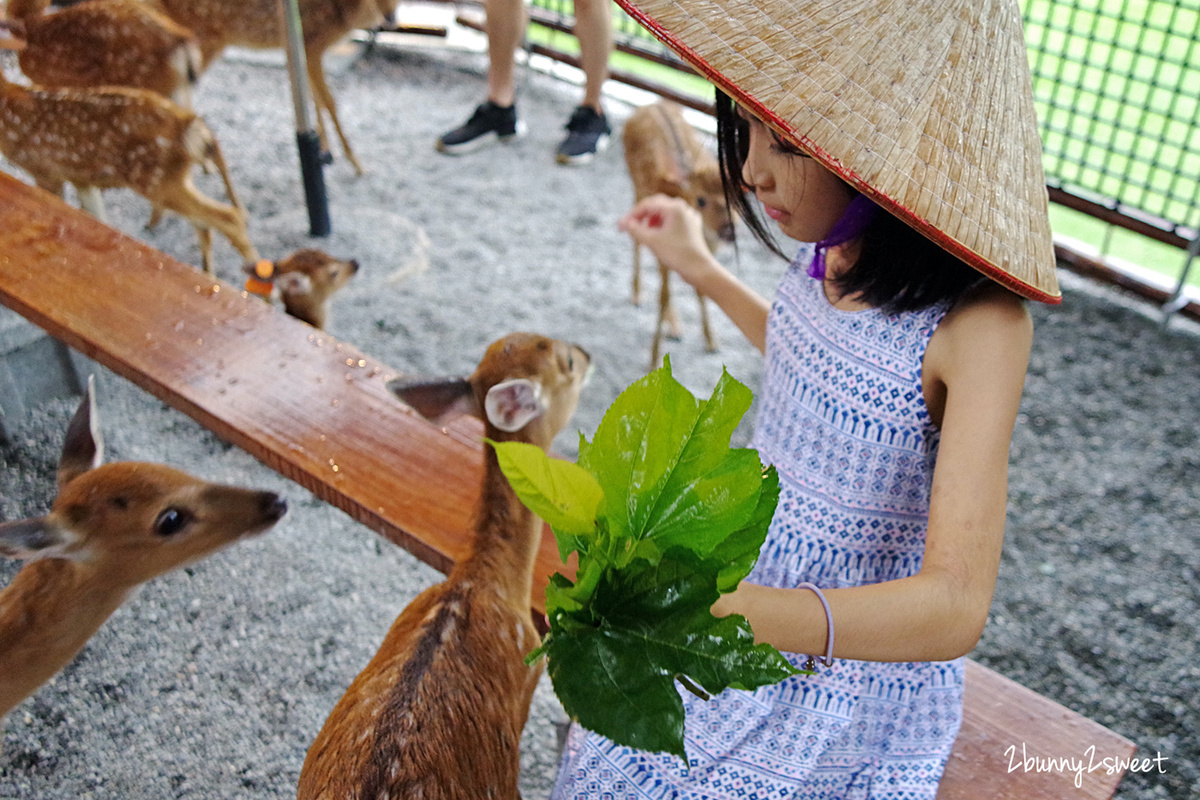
column 1123, row 244
column 658, row 73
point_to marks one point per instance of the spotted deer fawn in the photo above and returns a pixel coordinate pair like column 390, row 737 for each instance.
column 108, row 43
column 113, row 138
column 258, row 24
column 664, row 155
column 303, row 280
column 438, row 712
column 111, row 528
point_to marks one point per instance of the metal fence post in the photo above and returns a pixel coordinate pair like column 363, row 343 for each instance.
column 1179, row 297
column 308, row 141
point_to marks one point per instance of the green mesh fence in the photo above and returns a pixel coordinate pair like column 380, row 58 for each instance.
column 1117, row 89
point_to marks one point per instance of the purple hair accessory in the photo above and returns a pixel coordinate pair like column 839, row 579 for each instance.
column 854, row 220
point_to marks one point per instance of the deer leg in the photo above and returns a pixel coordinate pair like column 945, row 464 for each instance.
column 204, row 234
column 50, row 185
column 666, row 310
column 323, row 99
column 710, row 339
column 636, row 294
column 204, row 212
column 218, row 160
column 92, row 202
column 156, row 215
column 664, row 304
column 656, row 346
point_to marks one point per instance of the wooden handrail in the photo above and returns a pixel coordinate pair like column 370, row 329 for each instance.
column 312, row 408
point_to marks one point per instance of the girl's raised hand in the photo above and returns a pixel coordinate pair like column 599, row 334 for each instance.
column 673, row 231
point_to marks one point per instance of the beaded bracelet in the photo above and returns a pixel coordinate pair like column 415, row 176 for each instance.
column 827, row 660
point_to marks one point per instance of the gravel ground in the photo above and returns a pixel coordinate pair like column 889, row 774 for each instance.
column 211, row 682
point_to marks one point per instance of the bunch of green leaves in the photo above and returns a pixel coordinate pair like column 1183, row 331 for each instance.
column 665, row 516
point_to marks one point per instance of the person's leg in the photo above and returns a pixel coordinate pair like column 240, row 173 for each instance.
column 593, row 29
column 495, row 119
column 588, row 130
column 505, row 25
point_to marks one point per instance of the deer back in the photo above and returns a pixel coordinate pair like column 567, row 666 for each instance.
column 110, row 43
column 257, row 23
column 106, row 138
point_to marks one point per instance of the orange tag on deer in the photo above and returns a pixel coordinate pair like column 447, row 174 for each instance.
column 260, row 282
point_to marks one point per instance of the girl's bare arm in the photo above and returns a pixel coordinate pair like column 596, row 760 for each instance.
column 974, row 373
column 672, row 230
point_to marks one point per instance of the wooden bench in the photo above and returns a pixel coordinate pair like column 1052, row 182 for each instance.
column 317, row 411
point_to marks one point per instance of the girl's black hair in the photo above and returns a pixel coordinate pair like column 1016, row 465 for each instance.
column 897, row 270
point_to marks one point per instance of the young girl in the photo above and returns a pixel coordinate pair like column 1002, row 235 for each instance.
column 892, row 378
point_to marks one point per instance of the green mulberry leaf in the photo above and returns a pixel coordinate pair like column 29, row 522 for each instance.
column 678, row 518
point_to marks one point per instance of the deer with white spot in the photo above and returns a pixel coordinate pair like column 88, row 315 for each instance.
column 439, row 710
column 112, row 137
column 107, row 43
column 111, row 528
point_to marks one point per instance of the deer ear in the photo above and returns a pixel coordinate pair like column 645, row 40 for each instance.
column 436, row 399
column 511, row 404
column 83, row 448
column 32, row 538
column 670, row 184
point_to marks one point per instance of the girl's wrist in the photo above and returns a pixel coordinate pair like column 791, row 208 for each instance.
column 708, row 278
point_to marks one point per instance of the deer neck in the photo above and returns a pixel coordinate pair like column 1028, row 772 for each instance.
column 47, row 614
column 679, row 152
column 507, row 536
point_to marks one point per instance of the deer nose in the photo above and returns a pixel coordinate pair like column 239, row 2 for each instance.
column 725, row 234
column 353, row 265
column 273, row 506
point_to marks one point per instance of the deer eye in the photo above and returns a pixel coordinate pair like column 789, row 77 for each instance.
column 171, row 522
column 701, row 202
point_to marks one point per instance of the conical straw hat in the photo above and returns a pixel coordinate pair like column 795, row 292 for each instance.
column 925, row 106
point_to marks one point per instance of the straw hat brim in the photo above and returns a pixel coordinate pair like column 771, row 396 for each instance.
column 925, row 106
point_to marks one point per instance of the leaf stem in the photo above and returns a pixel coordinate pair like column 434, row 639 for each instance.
column 693, row 687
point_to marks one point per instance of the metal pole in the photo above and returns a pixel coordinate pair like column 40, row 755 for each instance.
column 1179, row 297
column 307, row 140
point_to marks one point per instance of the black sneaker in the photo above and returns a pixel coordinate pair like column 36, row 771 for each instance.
column 489, row 123
column 587, row 134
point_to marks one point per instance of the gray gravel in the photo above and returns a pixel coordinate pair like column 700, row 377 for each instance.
column 212, row 681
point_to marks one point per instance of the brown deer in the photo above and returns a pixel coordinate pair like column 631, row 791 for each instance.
column 112, row 527
column 438, row 712
column 114, row 137
column 108, row 43
column 304, row 282
column 259, row 24
column 664, row 155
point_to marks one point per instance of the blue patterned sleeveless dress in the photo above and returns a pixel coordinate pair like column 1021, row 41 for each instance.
column 843, row 418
